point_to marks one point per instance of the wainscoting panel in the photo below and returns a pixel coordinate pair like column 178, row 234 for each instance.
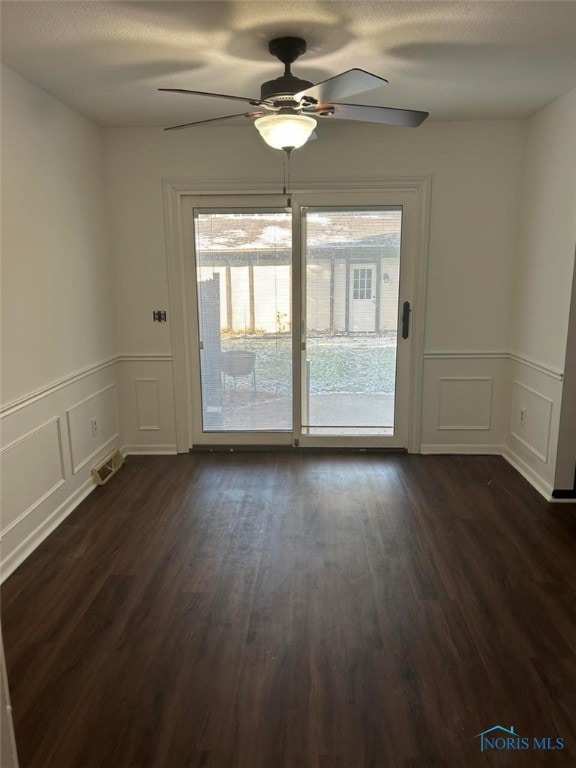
column 32, row 470
column 534, row 420
column 48, row 453
column 531, row 419
column 464, row 402
column 472, row 403
column 147, row 405
column 85, row 443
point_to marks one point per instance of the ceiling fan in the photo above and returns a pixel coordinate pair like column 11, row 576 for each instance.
column 286, row 110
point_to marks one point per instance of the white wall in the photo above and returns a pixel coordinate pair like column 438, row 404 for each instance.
column 475, row 171
column 58, row 335
column 542, row 284
column 57, row 316
column 566, row 458
column 545, row 261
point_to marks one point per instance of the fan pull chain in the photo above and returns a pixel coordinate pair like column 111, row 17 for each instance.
column 286, row 190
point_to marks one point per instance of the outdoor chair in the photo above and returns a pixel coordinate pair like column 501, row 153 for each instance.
column 237, row 364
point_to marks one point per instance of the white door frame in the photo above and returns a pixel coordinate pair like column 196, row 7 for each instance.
column 179, row 238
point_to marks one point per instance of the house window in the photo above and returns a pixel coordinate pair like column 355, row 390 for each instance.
column 362, row 284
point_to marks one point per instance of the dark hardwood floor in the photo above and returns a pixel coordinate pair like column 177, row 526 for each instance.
column 295, row 610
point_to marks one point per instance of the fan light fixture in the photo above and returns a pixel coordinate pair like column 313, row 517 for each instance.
column 287, row 107
column 284, row 131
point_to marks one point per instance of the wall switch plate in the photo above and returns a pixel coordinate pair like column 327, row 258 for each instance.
column 94, row 424
column 522, row 416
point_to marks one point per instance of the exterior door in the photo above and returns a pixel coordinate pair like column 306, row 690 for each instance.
column 357, row 255
column 362, row 298
column 242, row 345
column 296, row 316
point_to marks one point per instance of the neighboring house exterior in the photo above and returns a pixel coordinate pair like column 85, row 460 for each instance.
column 351, row 287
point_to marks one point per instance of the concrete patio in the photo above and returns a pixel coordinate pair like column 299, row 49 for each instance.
column 330, row 414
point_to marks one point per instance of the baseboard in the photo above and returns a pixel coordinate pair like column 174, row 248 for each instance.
column 515, row 461
column 544, row 488
column 150, row 450
column 15, row 558
column 564, row 495
column 426, row 449
column 466, row 450
column 34, row 539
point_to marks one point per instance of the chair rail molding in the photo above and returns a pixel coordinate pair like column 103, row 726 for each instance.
column 49, row 389
column 144, row 357
column 449, row 354
column 455, row 354
column 554, row 373
column 21, row 402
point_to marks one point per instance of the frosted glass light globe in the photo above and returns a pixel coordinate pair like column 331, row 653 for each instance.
column 285, row 131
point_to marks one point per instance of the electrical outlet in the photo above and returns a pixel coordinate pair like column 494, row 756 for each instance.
column 522, row 415
column 94, row 427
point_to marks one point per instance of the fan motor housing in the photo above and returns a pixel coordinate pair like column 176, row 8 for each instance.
column 287, row 49
column 287, row 85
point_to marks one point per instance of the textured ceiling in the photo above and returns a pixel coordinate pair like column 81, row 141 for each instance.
column 457, row 60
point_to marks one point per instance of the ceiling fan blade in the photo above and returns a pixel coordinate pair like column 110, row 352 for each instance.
column 408, row 118
column 347, row 83
column 254, row 102
column 257, row 113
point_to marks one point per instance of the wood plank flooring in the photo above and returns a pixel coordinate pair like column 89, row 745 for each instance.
column 296, row 610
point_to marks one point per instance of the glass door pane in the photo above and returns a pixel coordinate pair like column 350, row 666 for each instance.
column 352, row 279
column 243, row 281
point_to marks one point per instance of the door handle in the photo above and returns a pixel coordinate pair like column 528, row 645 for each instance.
column 406, row 319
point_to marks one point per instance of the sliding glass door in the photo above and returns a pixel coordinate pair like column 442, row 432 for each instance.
column 352, row 281
column 244, row 297
column 297, row 314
